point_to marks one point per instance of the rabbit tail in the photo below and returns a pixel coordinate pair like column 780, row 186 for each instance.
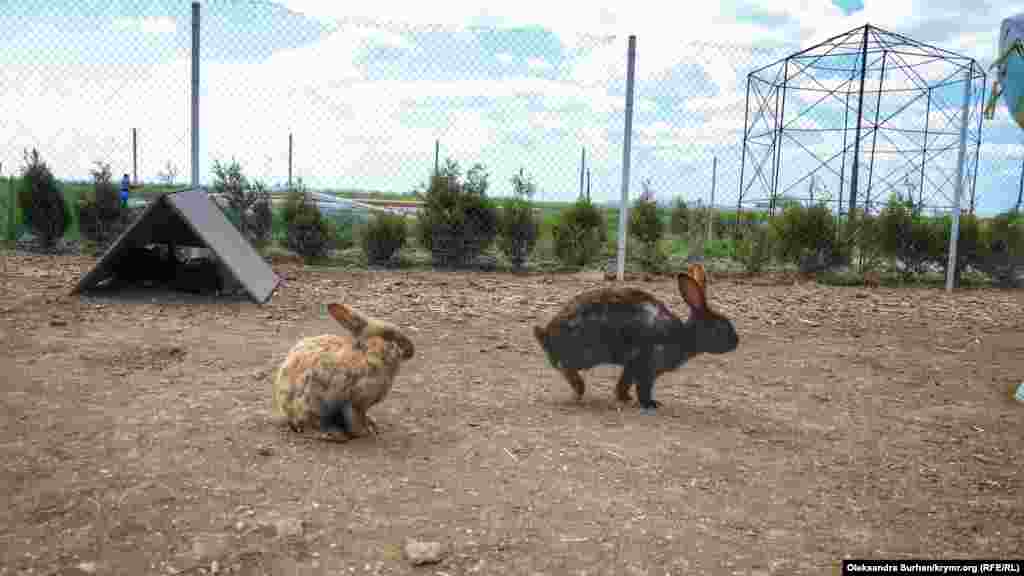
column 336, row 416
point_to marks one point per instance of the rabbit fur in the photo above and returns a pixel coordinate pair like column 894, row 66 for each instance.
column 631, row 328
column 328, row 382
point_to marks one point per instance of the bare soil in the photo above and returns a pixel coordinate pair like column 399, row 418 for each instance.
column 852, row 423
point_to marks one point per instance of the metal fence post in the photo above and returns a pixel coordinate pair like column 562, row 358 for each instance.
column 624, row 202
column 195, row 94
column 954, row 233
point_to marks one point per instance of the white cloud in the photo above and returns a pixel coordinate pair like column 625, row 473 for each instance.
column 368, row 133
column 147, row 25
column 539, row 64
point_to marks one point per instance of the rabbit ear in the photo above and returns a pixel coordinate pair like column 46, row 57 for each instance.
column 347, row 317
column 696, row 271
column 692, row 291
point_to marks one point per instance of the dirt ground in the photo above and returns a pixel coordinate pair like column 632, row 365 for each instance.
column 851, row 423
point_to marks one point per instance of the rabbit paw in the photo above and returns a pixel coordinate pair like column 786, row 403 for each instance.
column 649, row 409
column 371, row 426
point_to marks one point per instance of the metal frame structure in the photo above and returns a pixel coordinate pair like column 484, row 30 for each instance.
column 850, row 72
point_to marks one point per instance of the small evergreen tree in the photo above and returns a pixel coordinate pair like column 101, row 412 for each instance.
column 261, row 218
column 241, row 195
column 42, row 201
column 579, row 234
column 307, row 233
column 458, row 221
column 519, row 228
column 903, row 233
column 383, row 236
column 100, row 214
column 802, row 231
column 646, row 226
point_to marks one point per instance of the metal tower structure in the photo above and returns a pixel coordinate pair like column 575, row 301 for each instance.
column 868, row 113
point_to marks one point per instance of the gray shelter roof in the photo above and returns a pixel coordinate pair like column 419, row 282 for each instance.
column 190, row 218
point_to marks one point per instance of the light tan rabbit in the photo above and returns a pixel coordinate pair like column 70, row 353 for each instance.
column 328, row 382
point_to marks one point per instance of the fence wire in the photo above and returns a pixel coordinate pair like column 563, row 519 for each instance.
column 371, row 106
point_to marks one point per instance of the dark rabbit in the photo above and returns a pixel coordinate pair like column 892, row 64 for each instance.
column 631, row 328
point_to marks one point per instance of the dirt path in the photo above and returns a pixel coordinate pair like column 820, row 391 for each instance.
column 134, row 436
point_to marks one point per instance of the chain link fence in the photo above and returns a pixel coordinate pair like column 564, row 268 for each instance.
column 369, row 109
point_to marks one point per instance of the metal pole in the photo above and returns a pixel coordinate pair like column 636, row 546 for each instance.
column 778, row 143
column 1020, row 190
column 711, row 206
column 855, row 174
column 627, row 140
column 437, row 157
column 842, row 164
column 135, row 155
column 977, row 144
column 954, row 234
column 924, row 151
column 588, row 184
column 583, row 163
column 195, row 94
column 290, row 151
column 743, row 157
column 874, row 137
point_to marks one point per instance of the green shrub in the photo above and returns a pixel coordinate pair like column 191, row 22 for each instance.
column 579, row 233
column 679, row 218
column 907, row 236
column 1003, row 245
column 42, row 201
column 697, row 226
column 249, row 201
column 754, row 248
column 645, row 222
column 261, row 218
column 382, row 237
column 646, row 226
column 343, row 230
column 518, row 229
column 293, row 202
column 308, row 233
column 719, row 248
column 458, row 221
column 867, row 243
column 742, row 223
column 801, row 232
column 100, row 215
column 5, row 212
column 970, row 248
column 653, row 258
column 724, row 223
column 1005, row 234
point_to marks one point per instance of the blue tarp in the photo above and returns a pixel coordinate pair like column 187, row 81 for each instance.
column 1011, row 73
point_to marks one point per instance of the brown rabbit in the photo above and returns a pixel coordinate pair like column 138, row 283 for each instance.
column 631, row 328
column 330, row 381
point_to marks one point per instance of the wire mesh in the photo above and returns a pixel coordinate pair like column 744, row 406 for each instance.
column 362, row 105
column 859, row 118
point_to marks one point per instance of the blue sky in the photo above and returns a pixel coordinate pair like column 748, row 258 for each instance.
column 366, row 90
